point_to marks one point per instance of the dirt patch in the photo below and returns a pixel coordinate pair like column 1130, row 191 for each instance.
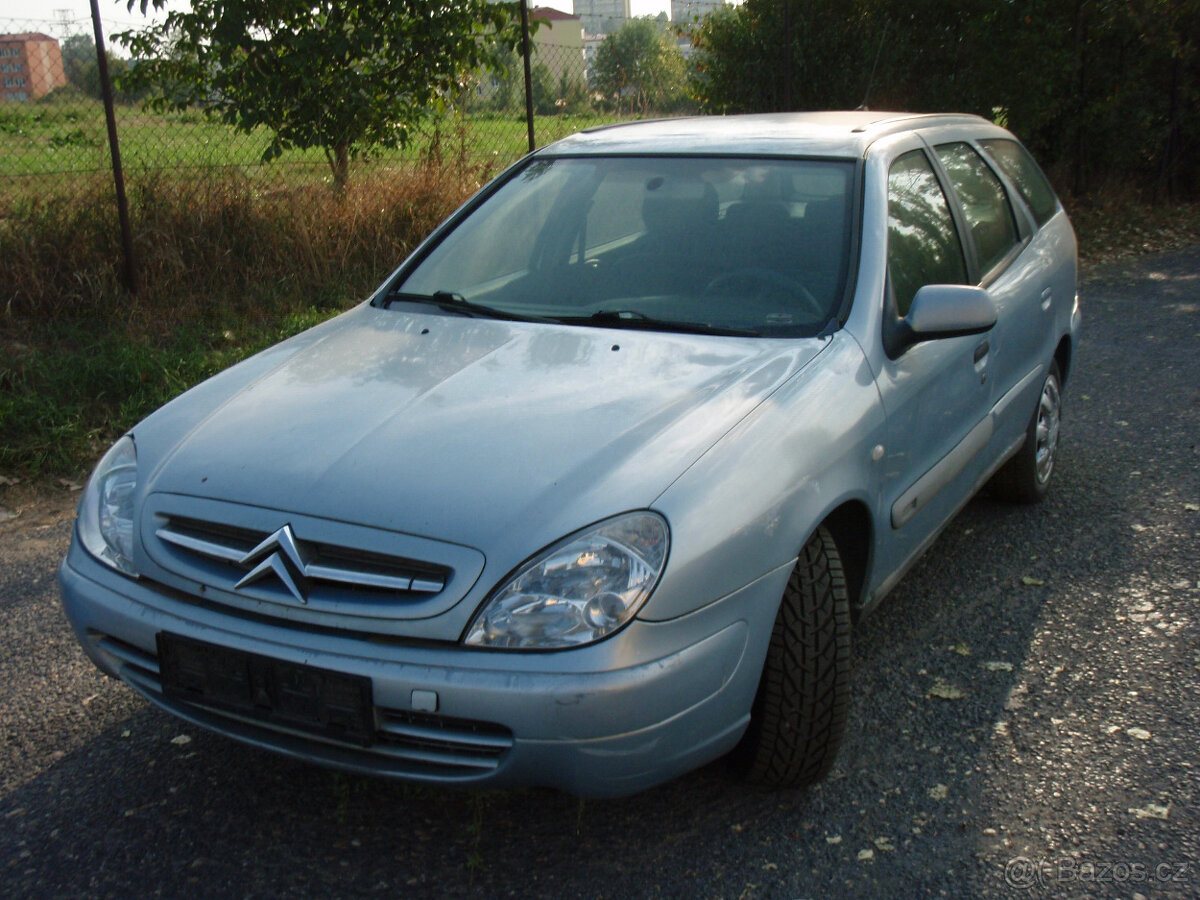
column 26, row 508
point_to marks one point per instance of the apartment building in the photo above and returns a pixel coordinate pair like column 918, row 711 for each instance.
column 559, row 43
column 31, row 66
column 601, row 16
column 684, row 12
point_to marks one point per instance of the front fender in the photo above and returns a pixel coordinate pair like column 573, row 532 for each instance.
column 747, row 506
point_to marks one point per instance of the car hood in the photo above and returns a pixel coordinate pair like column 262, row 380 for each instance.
column 475, row 431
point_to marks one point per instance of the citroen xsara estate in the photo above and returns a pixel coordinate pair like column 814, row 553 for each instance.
column 593, row 488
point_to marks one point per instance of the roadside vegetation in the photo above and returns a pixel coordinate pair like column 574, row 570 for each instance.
column 235, row 253
column 227, row 269
column 43, row 143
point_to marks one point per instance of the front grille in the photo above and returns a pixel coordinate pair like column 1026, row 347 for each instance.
column 405, row 743
column 306, row 571
column 248, row 555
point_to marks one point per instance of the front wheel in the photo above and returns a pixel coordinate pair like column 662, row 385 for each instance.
column 800, row 710
column 1026, row 477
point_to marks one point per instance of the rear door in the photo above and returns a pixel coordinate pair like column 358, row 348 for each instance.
column 1045, row 273
column 998, row 233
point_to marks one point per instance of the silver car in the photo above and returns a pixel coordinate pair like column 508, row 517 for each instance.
column 593, row 489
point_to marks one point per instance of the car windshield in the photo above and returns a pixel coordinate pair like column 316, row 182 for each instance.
column 736, row 246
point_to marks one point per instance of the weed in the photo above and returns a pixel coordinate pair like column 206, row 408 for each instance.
column 475, row 829
column 226, row 268
column 340, row 785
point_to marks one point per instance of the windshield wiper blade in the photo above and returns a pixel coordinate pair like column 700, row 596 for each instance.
column 635, row 319
column 452, row 302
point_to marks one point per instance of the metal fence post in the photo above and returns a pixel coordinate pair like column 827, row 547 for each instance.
column 787, row 55
column 118, row 175
column 525, row 52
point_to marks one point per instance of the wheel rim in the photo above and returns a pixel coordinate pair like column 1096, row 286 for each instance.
column 1047, row 429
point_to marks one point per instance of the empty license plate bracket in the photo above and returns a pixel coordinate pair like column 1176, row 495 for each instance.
column 272, row 691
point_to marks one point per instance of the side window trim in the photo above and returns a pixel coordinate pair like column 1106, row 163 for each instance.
column 891, row 313
column 1026, row 220
column 981, row 279
column 991, row 157
column 956, row 212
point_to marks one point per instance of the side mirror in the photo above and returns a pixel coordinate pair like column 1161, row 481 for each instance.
column 942, row 311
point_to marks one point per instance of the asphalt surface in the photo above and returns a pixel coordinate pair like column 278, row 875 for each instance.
column 1024, row 722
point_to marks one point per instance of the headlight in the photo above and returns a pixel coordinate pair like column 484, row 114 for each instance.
column 583, row 588
column 106, row 513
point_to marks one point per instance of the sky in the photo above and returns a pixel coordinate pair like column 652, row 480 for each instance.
column 42, row 15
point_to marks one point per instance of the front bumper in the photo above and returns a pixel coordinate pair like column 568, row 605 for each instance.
column 652, row 702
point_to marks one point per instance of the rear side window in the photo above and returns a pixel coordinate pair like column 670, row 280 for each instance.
column 923, row 244
column 1015, row 162
column 985, row 204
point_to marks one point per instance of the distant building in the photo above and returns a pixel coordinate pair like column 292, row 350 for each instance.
column 558, row 42
column 31, row 66
column 684, row 11
column 600, row 17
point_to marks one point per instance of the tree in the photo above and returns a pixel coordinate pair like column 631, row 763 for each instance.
column 78, row 53
column 506, row 79
column 83, row 71
column 345, row 77
column 641, row 65
column 541, row 86
column 573, row 92
column 744, row 54
column 1099, row 89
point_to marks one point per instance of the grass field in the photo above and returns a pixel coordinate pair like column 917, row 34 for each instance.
column 234, row 255
column 42, row 141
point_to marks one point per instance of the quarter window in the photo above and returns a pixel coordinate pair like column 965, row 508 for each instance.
column 1015, row 162
column 923, row 244
column 988, row 213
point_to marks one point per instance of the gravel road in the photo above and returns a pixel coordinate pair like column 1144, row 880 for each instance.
column 1025, row 722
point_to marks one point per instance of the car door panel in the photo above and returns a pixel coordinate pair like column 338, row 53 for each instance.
column 936, row 393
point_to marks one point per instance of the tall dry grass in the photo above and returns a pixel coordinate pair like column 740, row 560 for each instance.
column 225, row 268
column 202, row 240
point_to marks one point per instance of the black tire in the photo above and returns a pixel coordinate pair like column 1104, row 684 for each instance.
column 1026, row 477
column 799, row 713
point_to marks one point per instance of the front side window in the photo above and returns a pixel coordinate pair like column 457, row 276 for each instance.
column 1015, row 162
column 756, row 246
column 985, row 205
column 923, row 244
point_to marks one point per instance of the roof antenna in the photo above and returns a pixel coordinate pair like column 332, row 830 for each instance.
column 878, row 50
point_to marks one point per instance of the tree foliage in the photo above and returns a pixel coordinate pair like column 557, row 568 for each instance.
column 344, row 77
column 640, row 67
column 1100, row 89
column 83, row 70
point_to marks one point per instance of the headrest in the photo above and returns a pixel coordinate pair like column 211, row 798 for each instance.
column 677, row 206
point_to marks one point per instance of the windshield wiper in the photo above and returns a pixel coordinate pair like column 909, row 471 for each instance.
column 452, row 302
column 635, row 319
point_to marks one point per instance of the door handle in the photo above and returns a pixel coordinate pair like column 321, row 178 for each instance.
column 1047, row 298
column 981, row 351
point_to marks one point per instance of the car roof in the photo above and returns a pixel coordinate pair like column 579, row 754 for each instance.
column 809, row 133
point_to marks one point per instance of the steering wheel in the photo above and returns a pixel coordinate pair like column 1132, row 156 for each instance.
column 764, row 280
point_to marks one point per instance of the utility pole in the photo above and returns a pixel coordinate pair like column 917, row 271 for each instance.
column 65, row 19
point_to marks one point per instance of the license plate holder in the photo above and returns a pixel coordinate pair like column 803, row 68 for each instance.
column 273, row 691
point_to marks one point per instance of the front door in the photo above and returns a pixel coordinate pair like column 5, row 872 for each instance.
column 937, row 394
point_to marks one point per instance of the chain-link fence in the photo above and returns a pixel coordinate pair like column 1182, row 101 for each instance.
column 52, row 121
column 203, row 194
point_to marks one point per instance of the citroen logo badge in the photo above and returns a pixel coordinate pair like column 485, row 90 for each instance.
column 279, row 555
